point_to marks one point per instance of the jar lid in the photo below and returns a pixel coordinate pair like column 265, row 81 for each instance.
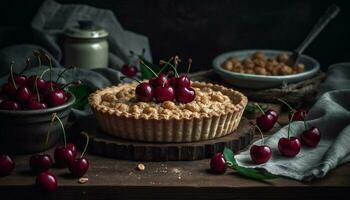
column 86, row 30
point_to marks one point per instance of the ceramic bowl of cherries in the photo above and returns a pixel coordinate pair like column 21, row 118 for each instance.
column 26, row 105
column 288, row 146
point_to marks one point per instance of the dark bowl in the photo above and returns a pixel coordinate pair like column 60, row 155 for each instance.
column 25, row 131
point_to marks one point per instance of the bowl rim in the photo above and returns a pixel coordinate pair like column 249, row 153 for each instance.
column 217, row 66
column 42, row 111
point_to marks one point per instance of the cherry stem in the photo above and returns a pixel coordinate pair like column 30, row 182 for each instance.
column 285, row 103
column 28, row 63
column 36, row 88
column 165, row 66
column 44, row 72
column 144, row 64
column 189, row 65
column 259, row 108
column 289, row 124
column 175, row 69
column 305, row 124
column 132, row 78
column 78, row 82
column 63, row 130
column 12, row 78
column 49, row 131
column 262, row 135
column 86, row 144
column 61, row 74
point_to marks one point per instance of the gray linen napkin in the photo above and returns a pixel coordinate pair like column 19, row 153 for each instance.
column 331, row 114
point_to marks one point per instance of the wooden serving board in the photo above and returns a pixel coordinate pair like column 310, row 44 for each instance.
column 109, row 146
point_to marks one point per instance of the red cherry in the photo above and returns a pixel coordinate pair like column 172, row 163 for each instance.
column 55, row 97
column 183, row 81
column 260, row 154
column 73, row 148
column 185, row 95
column 10, row 105
column 19, row 79
column 7, row 165
column 299, row 115
column 265, row 122
column 161, row 80
column 218, row 164
column 48, row 85
column 9, row 89
column 129, row 70
column 23, row 94
column 40, row 162
column 289, row 147
column 34, row 104
column 164, row 93
column 63, row 156
column 46, row 181
column 144, row 92
column 273, row 113
column 40, row 82
column 311, row 137
column 79, row 167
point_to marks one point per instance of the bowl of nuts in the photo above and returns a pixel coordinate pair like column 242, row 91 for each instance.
column 261, row 69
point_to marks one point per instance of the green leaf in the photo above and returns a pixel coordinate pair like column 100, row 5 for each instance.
column 146, row 73
column 81, row 94
column 257, row 174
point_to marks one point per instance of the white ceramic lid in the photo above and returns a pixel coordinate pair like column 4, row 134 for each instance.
column 86, row 30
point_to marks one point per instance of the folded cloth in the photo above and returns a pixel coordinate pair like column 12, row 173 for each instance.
column 53, row 18
column 331, row 114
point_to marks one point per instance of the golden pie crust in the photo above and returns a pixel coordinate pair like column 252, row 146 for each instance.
column 215, row 112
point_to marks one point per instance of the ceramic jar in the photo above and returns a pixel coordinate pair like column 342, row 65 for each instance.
column 85, row 46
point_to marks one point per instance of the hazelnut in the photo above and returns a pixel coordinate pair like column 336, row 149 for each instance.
column 260, row 70
column 249, row 71
column 248, row 63
column 259, row 55
column 227, row 65
column 283, row 57
column 300, row 67
column 141, row 167
column 259, row 63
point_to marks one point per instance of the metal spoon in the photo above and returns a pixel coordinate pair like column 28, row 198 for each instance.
column 331, row 12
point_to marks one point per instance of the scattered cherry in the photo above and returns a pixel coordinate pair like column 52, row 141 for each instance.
column 266, row 121
column 7, row 165
column 63, row 156
column 260, row 153
column 164, row 93
column 129, row 70
column 311, row 137
column 273, row 113
column 144, row 92
column 40, row 162
column 299, row 115
column 79, row 167
column 289, row 147
column 185, row 95
column 218, row 164
column 46, row 181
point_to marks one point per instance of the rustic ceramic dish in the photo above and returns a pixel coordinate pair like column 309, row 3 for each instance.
column 25, row 131
column 253, row 81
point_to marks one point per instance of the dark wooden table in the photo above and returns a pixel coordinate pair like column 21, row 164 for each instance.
column 119, row 179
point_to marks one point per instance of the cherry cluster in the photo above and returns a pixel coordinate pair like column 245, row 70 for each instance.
column 31, row 93
column 166, row 87
column 65, row 156
column 287, row 146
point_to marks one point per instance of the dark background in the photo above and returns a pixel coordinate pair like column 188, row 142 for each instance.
column 202, row 29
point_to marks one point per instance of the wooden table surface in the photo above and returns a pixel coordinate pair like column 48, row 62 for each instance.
column 119, row 179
